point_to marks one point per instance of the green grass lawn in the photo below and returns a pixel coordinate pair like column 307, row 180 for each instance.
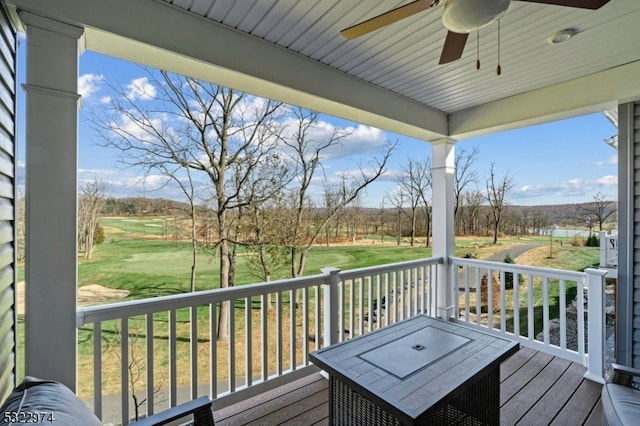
column 149, row 267
column 122, row 226
column 134, row 258
column 155, row 267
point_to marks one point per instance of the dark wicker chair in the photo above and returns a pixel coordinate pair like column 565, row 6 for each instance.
column 620, row 399
column 46, row 401
column 200, row 409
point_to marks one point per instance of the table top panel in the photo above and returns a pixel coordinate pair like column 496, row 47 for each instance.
column 417, row 350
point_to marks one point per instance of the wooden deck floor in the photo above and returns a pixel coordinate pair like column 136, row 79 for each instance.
column 536, row 389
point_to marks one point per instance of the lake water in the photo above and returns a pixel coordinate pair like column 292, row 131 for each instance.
column 568, row 232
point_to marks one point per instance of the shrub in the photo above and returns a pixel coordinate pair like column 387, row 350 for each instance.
column 593, row 241
column 98, row 235
column 508, row 276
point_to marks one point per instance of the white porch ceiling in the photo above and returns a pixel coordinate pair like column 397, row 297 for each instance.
column 292, row 50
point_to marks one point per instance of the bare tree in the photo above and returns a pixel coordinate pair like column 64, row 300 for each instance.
column 260, row 221
column 422, row 182
column 217, row 132
column 397, row 199
column 305, row 150
column 470, row 220
column 136, row 360
column 382, row 220
column 90, row 204
column 356, row 206
column 331, row 198
column 539, row 221
column 183, row 178
column 464, row 175
column 267, row 256
column 524, row 220
column 414, row 182
column 497, row 189
column 602, row 209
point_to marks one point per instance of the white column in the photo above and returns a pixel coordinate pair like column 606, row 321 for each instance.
column 442, row 173
column 332, row 309
column 596, row 329
column 51, row 198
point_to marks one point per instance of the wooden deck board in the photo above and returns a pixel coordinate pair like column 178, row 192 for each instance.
column 513, row 384
column 579, row 407
column 595, row 418
column 536, row 389
column 515, row 361
column 533, row 392
column 558, row 394
column 296, row 412
column 280, row 404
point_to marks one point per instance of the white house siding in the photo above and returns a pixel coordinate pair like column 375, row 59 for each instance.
column 8, row 43
column 628, row 291
column 635, row 315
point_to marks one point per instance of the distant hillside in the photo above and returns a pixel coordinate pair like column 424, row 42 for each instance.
column 558, row 214
column 143, row 206
column 568, row 214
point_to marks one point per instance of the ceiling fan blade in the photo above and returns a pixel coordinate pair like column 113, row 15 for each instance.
column 583, row 4
column 453, row 47
column 386, row 18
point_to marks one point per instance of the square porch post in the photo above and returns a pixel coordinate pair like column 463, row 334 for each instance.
column 51, row 198
column 442, row 175
column 627, row 281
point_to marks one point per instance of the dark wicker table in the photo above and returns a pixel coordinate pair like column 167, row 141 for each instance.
column 421, row 371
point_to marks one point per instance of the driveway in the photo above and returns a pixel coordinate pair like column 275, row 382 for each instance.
column 514, row 251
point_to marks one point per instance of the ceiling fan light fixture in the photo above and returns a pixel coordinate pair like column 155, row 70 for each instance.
column 464, row 16
column 561, row 36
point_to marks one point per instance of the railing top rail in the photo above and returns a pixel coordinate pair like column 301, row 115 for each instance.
column 87, row 315
column 520, row 269
column 390, row 267
column 90, row 314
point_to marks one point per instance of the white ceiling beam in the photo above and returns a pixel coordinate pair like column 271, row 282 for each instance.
column 592, row 93
column 183, row 43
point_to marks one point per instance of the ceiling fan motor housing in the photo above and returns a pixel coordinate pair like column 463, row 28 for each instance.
column 464, row 16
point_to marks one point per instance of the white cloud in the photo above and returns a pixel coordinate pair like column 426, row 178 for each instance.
column 97, row 173
column 128, row 183
column 153, row 182
column 571, row 188
column 138, row 129
column 357, row 140
column 105, row 99
column 88, row 84
column 141, row 89
column 366, row 170
column 124, row 184
column 362, row 139
column 250, row 109
column 611, row 161
column 608, row 180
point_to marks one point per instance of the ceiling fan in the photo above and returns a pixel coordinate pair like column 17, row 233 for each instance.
column 460, row 17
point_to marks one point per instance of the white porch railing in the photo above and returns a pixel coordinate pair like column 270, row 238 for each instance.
column 515, row 301
column 164, row 350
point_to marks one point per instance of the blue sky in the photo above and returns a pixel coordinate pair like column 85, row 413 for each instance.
column 559, row 162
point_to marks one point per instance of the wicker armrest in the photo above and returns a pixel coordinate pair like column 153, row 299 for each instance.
column 623, row 375
column 200, row 408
